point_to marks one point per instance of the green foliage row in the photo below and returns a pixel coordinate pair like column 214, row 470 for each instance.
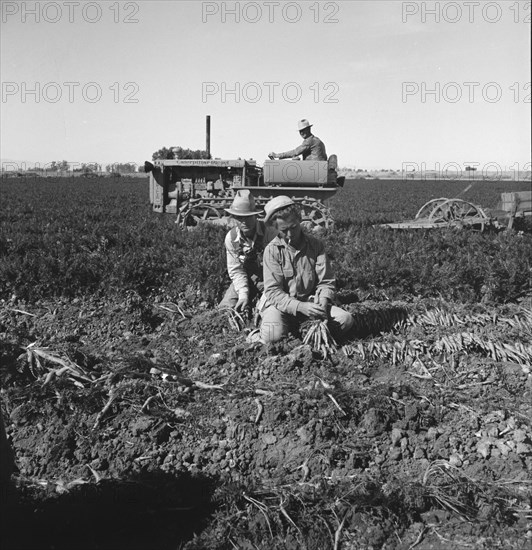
column 456, row 266
column 64, row 237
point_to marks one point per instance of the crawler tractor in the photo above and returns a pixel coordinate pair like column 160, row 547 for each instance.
column 197, row 191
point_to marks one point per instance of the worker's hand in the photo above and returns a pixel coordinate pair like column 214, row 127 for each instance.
column 272, row 156
column 242, row 304
column 314, row 311
column 325, row 303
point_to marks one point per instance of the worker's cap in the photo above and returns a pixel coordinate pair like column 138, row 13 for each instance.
column 243, row 204
column 276, row 204
column 303, row 123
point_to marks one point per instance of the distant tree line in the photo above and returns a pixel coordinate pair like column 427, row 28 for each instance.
column 179, row 153
column 122, row 168
column 54, row 166
column 88, row 167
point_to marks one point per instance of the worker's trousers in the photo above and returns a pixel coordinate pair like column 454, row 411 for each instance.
column 276, row 324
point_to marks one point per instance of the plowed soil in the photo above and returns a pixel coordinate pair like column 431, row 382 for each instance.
column 137, row 424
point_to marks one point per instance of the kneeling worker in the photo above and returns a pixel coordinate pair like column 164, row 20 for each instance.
column 296, row 268
column 244, row 245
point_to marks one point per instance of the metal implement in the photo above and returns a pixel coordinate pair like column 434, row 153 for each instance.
column 457, row 213
column 446, row 213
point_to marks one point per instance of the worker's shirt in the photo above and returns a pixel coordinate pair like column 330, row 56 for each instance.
column 244, row 255
column 312, row 148
column 292, row 275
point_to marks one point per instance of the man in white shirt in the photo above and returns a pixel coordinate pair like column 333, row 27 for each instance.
column 244, row 245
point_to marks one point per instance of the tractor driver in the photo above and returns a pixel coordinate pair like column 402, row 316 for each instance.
column 312, row 147
column 244, row 246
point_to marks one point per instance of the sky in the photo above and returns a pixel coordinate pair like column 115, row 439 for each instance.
column 386, row 84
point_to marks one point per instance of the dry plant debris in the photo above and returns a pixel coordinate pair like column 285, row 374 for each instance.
column 40, row 361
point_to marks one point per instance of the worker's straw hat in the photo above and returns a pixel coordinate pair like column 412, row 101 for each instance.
column 243, row 204
column 303, row 123
column 276, row 204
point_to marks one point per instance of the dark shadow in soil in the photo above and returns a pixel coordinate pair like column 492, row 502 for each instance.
column 153, row 511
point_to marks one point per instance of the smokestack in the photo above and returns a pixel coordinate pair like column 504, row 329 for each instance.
column 208, row 135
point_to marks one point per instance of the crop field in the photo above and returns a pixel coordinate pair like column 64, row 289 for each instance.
column 140, row 418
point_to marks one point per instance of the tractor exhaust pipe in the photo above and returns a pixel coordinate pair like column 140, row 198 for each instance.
column 208, row 136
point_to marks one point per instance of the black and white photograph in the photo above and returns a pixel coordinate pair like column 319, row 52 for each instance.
column 265, row 275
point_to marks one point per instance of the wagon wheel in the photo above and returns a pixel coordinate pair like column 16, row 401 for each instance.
column 459, row 213
column 428, row 207
column 315, row 216
column 199, row 213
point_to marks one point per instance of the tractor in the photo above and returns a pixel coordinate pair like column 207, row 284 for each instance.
column 198, row 190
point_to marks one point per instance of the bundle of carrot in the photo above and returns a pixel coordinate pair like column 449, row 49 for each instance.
column 319, row 337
